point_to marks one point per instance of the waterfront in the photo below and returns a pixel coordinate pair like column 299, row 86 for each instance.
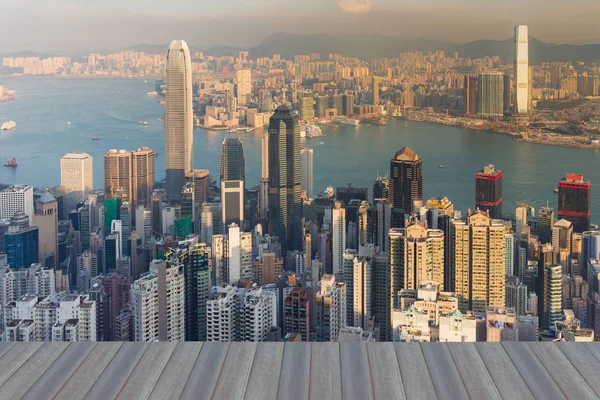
column 110, row 108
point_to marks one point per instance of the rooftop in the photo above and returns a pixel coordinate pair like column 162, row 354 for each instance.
column 300, row 370
column 406, row 154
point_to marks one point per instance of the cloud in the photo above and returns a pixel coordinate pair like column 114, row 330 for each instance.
column 355, row 6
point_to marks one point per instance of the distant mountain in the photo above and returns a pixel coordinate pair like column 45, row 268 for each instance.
column 216, row 51
column 372, row 46
column 149, row 48
column 26, row 54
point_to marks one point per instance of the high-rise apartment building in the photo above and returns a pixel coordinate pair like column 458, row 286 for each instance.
column 179, row 118
column 490, row 95
column 159, row 304
column 330, row 309
column 197, row 276
column 258, row 314
column 375, row 89
column 285, row 179
column 299, row 313
column 479, row 262
column 471, row 92
column 338, row 228
column 307, row 112
column 516, row 295
column 15, row 198
column 232, row 255
column 521, row 70
column 76, row 176
column 574, row 201
column 210, row 222
column 488, row 191
column 244, row 85
column 233, row 164
column 306, row 161
column 552, row 297
column 406, row 179
column 223, row 315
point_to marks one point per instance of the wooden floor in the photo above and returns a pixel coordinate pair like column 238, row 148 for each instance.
column 260, row 371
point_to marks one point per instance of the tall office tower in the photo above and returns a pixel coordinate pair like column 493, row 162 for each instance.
column 509, row 239
column 521, row 70
column 590, row 248
column 298, row 312
column 125, row 227
column 112, row 251
column 233, row 164
column 244, row 85
column 197, row 291
column 423, row 257
column 479, row 262
column 490, row 95
column 232, row 203
column 406, row 179
column 348, row 104
column 21, row 242
column 350, row 256
column 321, row 105
column 223, row 315
column 338, row 227
column 381, row 189
column 179, row 118
column 574, row 201
column 562, row 234
column 46, row 219
column 159, row 304
column 306, row 160
column 258, row 314
column 15, row 198
column 375, row 89
column 471, row 92
column 545, row 224
column 198, row 178
column 76, row 177
column 507, row 93
column 337, row 103
column 142, row 175
column 552, row 296
column 265, row 155
column 516, row 295
column 285, row 179
column 488, row 191
column 232, row 255
column 88, row 262
column 307, row 112
column 330, row 309
column 521, row 215
column 210, row 222
column 118, row 175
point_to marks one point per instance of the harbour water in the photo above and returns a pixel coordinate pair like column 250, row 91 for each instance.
column 110, row 108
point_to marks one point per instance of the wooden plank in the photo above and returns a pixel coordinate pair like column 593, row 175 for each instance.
column 82, row 380
column 445, row 376
column 203, row 379
column 264, row 377
column 60, row 371
column 144, row 376
column 385, row 373
column 561, row 370
column 117, row 371
column 594, row 348
column 172, row 381
column 35, row 366
column 294, row 381
column 356, row 374
column 503, row 372
column 15, row 357
column 325, row 372
column 413, row 369
column 472, row 370
column 584, row 362
column 4, row 347
column 534, row 374
column 236, row 371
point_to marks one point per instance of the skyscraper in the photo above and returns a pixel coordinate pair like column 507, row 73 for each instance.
column 490, row 95
column 143, row 176
column 15, row 198
column 197, row 292
column 521, row 70
column 307, row 112
column 545, row 223
column 574, row 201
column 118, row 182
column 471, row 91
column 375, row 91
column 338, row 227
column 21, row 242
column 179, row 118
column 488, row 191
column 233, row 164
column 244, row 85
column 330, row 309
column 76, row 176
column 232, row 203
column 406, row 179
column 285, row 179
column 306, row 157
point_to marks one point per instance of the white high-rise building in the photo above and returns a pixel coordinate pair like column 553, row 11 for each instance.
column 522, row 90
column 330, row 309
column 259, row 314
column 244, row 85
column 362, row 292
column 117, row 227
column 76, row 176
column 159, row 304
column 16, row 198
column 265, row 155
column 232, row 255
column 509, row 240
column 306, row 161
column 338, row 228
column 179, row 118
column 223, row 315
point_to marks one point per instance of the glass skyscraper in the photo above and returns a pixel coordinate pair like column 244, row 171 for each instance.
column 491, row 95
column 233, row 164
column 406, row 179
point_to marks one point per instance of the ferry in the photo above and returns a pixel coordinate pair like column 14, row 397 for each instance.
column 345, row 121
column 143, row 123
column 8, row 125
column 95, row 138
column 11, row 163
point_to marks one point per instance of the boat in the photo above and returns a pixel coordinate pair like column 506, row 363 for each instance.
column 11, row 163
column 441, row 167
column 345, row 121
column 145, row 81
column 143, row 122
column 555, row 190
column 68, row 122
column 8, row 125
column 152, row 93
column 95, row 138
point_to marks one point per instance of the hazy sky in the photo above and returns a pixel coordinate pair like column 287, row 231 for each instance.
column 71, row 26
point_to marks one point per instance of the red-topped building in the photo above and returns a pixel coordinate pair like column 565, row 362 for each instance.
column 488, row 191
column 574, row 201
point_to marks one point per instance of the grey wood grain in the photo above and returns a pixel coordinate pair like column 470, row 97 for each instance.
column 415, row 374
column 356, row 374
column 444, row 374
column 584, row 362
column 15, row 357
column 203, row 378
column 472, row 370
column 385, row 372
column 173, row 379
column 325, row 372
column 264, row 377
column 294, row 381
column 236, row 371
